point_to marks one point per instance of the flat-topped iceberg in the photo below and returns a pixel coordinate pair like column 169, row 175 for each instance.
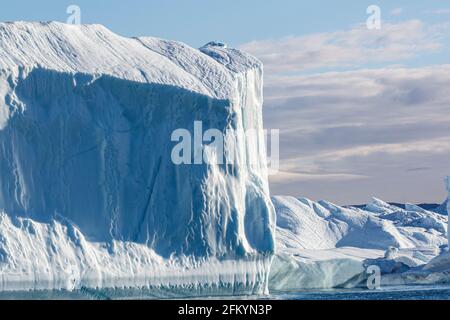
column 89, row 192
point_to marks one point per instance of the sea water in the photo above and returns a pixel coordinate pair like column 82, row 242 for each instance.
column 435, row 292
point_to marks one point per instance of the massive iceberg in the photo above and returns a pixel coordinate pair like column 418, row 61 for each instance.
column 89, row 192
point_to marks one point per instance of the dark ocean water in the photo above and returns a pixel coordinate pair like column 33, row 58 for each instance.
column 388, row 293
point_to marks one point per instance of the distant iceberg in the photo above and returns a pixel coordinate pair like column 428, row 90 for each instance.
column 321, row 245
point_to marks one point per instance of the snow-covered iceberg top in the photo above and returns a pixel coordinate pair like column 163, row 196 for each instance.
column 305, row 224
column 323, row 245
column 95, row 50
column 86, row 120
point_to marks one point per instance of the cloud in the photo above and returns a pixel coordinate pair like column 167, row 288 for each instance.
column 418, row 169
column 348, row 132
column 360, row 130
column 349, row 48
column 292, row 176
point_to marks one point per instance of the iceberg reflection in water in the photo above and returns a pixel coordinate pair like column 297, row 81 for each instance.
column 441, row 292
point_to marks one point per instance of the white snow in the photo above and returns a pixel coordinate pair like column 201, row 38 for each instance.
column 321, row 245
column 303, row 269
column 89, row 192
column 304, row 224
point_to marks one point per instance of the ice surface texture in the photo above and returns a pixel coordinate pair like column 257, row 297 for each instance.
column 322, row 245
column 86, row 176
column 302, row 223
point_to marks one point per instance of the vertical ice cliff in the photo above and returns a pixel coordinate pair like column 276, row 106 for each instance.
column 88, row 188
column 447, row 184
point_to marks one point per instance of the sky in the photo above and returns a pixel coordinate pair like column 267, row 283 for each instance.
column 361, row 112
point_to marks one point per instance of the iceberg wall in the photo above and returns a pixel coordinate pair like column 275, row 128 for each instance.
column 447, row 184
column 86, row 174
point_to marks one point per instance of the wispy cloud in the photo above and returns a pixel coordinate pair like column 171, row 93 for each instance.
column 348, row 132
column 350, row 48
column 293, row 176
column 344, row 128
column 418, row 169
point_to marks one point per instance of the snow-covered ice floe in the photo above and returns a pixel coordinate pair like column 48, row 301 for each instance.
column 321, row 245
column 89, row 193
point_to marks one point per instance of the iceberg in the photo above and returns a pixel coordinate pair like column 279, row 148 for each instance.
column 442, row 209
column 321, row 245
column 89, row 193
column 434, row 271
column 447, row 184
column 305, row 224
